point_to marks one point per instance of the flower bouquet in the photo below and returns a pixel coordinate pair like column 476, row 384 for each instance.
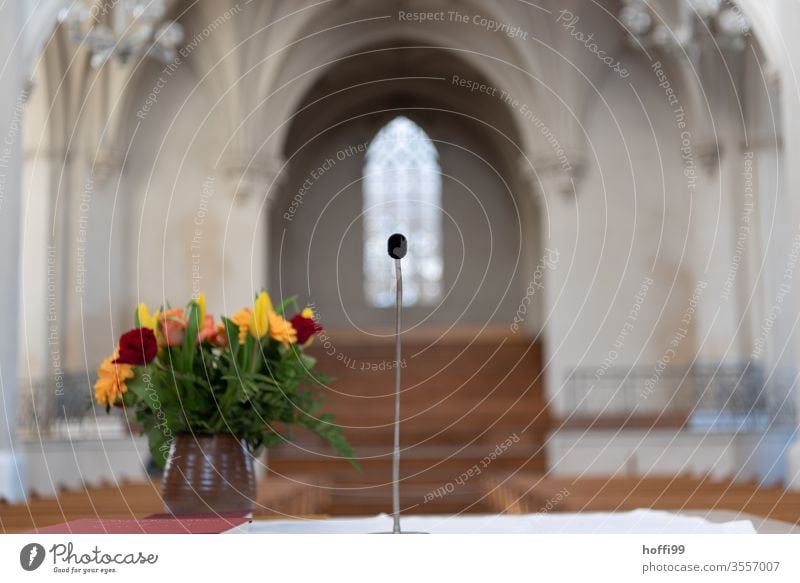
column 210, row 396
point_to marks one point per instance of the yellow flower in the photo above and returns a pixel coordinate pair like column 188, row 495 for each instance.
column 242, row 320
column 145, row 319
column 201, row 303
column 264, row 319
column 111, row 378
column 281, row 330
column 308, row 313
column 261, row 317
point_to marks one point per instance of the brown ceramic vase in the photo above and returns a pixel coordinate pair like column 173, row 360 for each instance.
column 208, row 474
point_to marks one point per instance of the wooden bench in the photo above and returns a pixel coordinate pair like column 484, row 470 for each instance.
column 525, row 492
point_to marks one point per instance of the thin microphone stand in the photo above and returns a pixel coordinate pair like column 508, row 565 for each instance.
column 397, row 246
column 396, row 453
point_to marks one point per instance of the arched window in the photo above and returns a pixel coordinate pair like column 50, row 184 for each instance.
column 403, row 194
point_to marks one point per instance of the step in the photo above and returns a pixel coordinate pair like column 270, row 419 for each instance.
column 379, row 470
column 426, row 497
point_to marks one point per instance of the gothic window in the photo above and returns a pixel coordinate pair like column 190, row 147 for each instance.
column 403, row 194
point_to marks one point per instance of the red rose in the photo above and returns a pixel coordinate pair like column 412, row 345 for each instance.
column 137, row 347
column 305, row 327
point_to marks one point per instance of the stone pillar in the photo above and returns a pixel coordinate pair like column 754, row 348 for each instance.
column 259, row 188
column 12, row 101
column 254, row 182
column 553, row 189
column 789, row 209
column 530, row 203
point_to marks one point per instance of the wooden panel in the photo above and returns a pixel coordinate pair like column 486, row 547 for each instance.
column 463, row 394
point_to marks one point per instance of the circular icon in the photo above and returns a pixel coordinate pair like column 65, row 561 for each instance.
column 31, row 556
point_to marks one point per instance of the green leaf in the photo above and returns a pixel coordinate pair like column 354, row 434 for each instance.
column 323, row 427
column 190, row 338
column 232, row 332
column 265, row 379
column 307, row 361
column 290, row 301
column 159, row 441
column 143, row 387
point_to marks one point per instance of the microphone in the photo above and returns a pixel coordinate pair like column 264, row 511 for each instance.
column 398, row 246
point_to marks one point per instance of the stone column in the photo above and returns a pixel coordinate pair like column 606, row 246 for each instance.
column 553, row 190
column 530, row 203
column 12, row 101
column 256, row 187
column 253, row 182
column 789, row 210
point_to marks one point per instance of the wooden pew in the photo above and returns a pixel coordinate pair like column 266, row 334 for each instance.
column 524, row 493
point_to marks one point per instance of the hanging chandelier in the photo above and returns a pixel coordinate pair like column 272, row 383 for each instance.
column 720, row 20
column 122, row 29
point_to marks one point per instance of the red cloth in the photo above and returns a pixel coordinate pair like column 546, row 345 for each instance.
column 157, row 524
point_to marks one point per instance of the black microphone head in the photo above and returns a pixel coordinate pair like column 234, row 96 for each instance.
column 398, row 246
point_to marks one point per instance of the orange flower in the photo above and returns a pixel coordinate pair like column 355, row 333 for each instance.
column 173, row 327
column 208, row 331
column 110, row 385
column 220, row 336
column 242, row 320
column 281, row 329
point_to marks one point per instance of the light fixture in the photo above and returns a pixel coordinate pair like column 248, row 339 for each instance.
column 636, row 18
column 732, row 22
column 122, row 29
column 706, row 8
column 727, row 26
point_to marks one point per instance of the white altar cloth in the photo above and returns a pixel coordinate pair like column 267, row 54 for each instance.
column 635, row 522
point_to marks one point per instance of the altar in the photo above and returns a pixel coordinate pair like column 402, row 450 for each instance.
column 634, row 522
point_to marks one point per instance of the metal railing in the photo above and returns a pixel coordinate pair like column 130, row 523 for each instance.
column 719, row 396
column 48, row 409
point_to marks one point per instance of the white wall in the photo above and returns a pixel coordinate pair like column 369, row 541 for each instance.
column 626, row 233
column 189, row 231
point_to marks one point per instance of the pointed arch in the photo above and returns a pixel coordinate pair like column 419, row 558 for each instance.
column 403, row 193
